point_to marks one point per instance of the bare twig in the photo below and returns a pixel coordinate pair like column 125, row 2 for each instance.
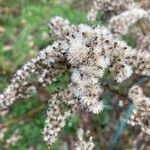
column 142, row 27
column 25, row 117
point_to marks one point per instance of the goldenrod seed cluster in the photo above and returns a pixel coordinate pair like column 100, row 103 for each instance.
column 141, row 112
column 86, row 52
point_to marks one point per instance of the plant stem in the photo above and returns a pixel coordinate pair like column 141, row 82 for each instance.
column 25, row 117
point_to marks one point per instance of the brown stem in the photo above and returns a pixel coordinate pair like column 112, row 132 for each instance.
column 144, row 4
column 121, row 91
column 142, row 27
column 27, row 116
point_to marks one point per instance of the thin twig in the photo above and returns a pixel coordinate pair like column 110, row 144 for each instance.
column 25, row 117
column 144, row 3
column 142, row 27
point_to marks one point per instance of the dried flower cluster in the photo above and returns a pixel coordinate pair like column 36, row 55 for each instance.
column 56, row 115
column 120, row 14
column 18, row 85
column 120, row 24
column 142, row 42
column 86, row 52
column 110, row 8
column 81, row 143
column 59, row 27
column 141, row 112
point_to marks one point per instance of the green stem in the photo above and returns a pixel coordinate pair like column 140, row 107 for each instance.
column 120, row 127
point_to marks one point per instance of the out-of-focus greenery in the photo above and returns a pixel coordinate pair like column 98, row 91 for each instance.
column 25, row 19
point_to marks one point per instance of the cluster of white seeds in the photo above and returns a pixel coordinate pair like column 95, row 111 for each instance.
column 142, row 42
column 18, row 85
column 120, row 24
column 141, row 112
column 86, row 52
column 83, row 144
column 59, row 27
column 110, row 8
column 56, row 115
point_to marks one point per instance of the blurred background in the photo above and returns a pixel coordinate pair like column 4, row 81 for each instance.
column 23, row 32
